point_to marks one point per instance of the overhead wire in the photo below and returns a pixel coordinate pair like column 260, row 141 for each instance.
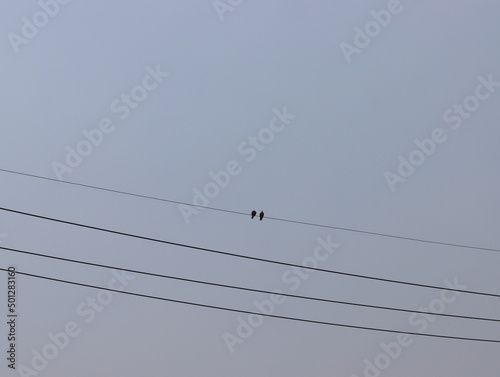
column 139, row 272
column 255, row 313
column 346, row 229
column 258, row 259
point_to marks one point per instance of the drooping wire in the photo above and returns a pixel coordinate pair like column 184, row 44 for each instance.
column 345, row 229
column 246, row 256
column 243, row 288
column 253, row 313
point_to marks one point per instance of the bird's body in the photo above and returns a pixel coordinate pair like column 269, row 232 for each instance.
column 254, row 212
column 261, row 215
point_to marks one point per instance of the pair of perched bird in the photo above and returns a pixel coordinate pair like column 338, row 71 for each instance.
column 261, row 215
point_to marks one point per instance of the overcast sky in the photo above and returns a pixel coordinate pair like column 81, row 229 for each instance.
column 379, row 116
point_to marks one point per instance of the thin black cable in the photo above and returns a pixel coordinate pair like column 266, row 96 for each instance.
column 246, row 256
column 244, row 288
column 387, row 235
column 122, row 192
column 254, row 313
column 267, row 217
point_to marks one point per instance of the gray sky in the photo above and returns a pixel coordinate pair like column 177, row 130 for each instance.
column 181, row 89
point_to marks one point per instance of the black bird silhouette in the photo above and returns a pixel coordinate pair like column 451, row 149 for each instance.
column 254, row 212
column 261, row 215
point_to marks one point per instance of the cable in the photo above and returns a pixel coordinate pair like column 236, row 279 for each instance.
column 122, row 192
column 245, row 288
column 246, row 256
column 254, row 313
column 267, row 217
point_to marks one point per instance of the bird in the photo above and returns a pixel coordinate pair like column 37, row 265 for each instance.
column 254, row 212
column 261, row 215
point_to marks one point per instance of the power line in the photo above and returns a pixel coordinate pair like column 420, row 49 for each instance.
column 122, row 192
column 254, row 313
column 345, row 229
column 246, row 256
column 244, row 288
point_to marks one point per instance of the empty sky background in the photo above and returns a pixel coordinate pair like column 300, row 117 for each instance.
column 353, row 121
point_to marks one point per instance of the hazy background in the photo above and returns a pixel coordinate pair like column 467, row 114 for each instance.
column 327, row 166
